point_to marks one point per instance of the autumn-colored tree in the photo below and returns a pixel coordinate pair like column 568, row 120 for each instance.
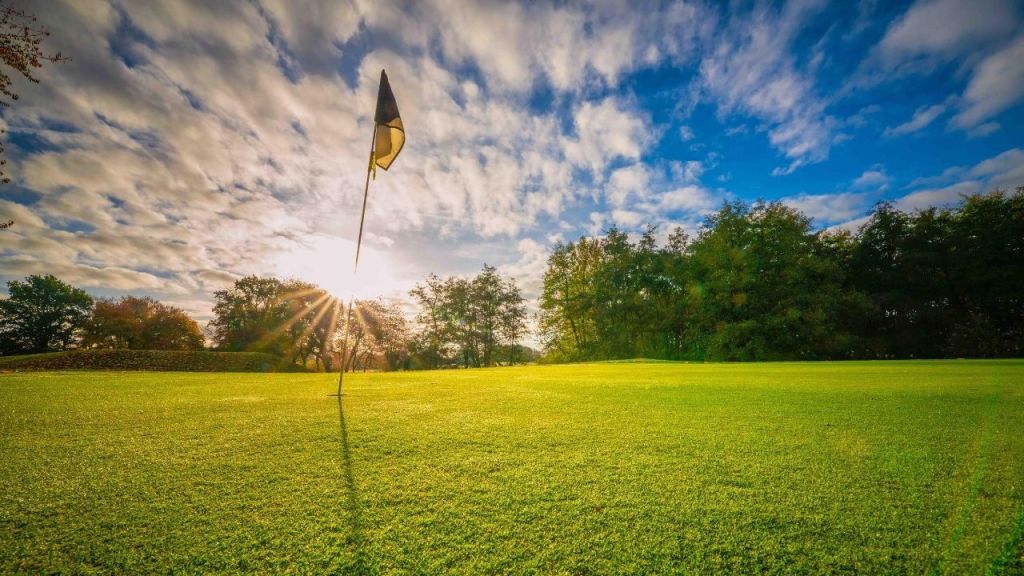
column 377, row 333
column 136, row 323
column 21, row 48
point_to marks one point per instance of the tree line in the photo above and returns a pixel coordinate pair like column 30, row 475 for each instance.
column 757, row 282
column 476, row 321
column 45, row 314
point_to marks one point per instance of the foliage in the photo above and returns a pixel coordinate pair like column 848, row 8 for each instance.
column 758, row 283
column 944, row 282
column 21, row 39
column 377, row 334
column 41, row 314
column 314, row 319
column 154, row 360
column 292, row 319
column 469, row 321
column 610, row 468
column 140, row 324
column 250, row 315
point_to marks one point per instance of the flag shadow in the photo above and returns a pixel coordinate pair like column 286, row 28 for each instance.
column 356, row 540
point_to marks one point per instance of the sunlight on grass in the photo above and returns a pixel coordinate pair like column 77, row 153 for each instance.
column 637, row 467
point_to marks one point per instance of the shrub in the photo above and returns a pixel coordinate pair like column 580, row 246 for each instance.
column 155, row 360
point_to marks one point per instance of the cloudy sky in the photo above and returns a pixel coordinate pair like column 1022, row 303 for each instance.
column 190, row 143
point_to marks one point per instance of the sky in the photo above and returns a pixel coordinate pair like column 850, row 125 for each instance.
column 188, row 144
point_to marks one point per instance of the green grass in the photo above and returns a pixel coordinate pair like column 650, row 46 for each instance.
column 895, row 467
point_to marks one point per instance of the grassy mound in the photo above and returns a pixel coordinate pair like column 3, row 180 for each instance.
column 162, row 360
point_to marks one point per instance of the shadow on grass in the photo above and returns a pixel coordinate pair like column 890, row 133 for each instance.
column 356, row 540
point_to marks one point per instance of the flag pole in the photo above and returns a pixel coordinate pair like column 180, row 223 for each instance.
column 355, row 268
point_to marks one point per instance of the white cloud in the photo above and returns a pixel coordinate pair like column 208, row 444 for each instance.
column 983, row 130
column 572, row 47
column 946, row 28
column 923, row 116
column 1005, row 170
column 220, row 139
column 827, row 208
column 640, row 194
column 875, row 178
column 690, row 199
column 627, row 218
column 606, row 131
column 928, row 198
column 628, row 183
column 752, row 70
column 689, row 171
column 936, row 33
column 996, row 84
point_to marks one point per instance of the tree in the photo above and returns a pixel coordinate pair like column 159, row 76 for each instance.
column 987, row 272
column 323, row 327
column 252, row 316
column 567, row 313
column 486, row 299
column 292, row 319
column 468, row 320
column 41, row 314
column 377, row 334
column 767, row 290
column 429, row 295
column 21, row 40
column 136, row 323
column 944, row 282
column 511, row 318
column 756, row 283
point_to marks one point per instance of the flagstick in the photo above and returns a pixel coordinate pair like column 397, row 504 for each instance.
column 355, row 269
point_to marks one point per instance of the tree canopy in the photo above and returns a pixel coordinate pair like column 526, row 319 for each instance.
column 759, row 283
column 42, row 314
column 469, row 321
column 136, row 323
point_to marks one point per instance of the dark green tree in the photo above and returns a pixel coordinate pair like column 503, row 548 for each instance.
column 251, row 316
column 41, row 314
column 764, row 287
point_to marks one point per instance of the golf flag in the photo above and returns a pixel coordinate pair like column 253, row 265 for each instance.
column 388, row 139
column 389, row 133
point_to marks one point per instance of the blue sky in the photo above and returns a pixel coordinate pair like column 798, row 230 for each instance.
column 190, row 143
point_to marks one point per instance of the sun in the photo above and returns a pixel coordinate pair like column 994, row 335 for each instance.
column 327, row 262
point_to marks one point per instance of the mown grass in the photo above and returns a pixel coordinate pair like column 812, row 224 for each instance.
column 896, row 467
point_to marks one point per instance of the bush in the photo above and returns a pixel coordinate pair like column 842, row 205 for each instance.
column 156, row 360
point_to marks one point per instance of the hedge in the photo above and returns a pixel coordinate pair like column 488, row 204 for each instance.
column 156, row 360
